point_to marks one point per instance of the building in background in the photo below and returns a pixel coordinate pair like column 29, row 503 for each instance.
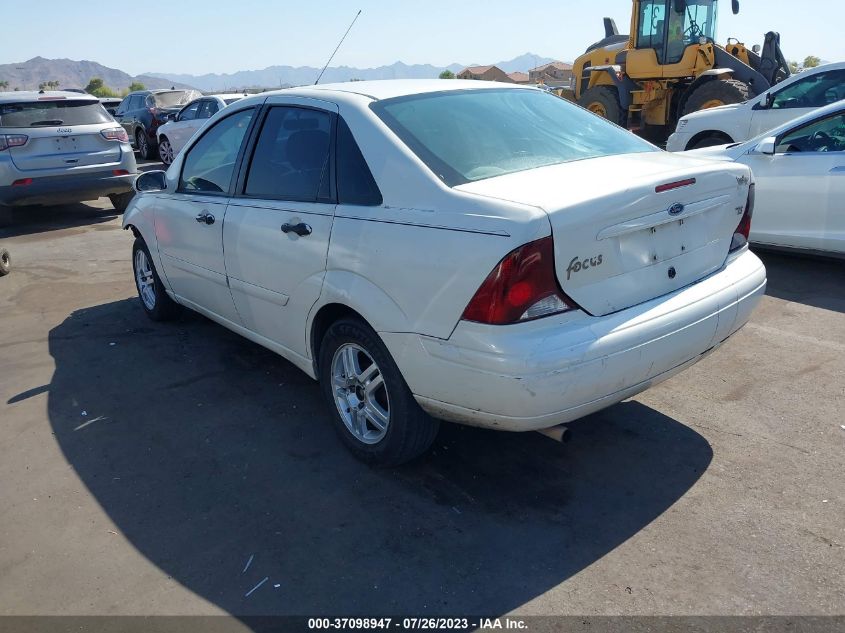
column 485, row 73
column 557, row 74
column 518, row 77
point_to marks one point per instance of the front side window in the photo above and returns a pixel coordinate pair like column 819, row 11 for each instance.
column 824, row 135
column 190, row 113
column 469, row 135
column 52, row 113
column 291, row 157
column 210, row 163
column 698, row 20
column 812, row 92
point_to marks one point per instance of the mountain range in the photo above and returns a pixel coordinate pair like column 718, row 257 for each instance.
column 280, row 76
column 76, row 74
column 72, row 74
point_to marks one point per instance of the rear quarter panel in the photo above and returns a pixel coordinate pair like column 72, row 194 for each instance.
column 413, row 263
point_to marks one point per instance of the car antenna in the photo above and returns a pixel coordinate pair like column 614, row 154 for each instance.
column 337, row 47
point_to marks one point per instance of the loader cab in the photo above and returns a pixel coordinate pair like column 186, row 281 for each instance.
column 668, row 28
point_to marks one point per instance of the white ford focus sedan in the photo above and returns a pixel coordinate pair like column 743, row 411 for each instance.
column 481, row 253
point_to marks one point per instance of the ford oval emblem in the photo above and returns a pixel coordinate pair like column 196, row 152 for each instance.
column 676, row 209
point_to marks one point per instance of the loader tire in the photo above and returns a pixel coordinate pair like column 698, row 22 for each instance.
column 604, row 101
column 717, row 92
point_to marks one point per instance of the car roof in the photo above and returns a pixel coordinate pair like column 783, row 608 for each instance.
column 229, row 95
column 19, row 96
column 391, row 88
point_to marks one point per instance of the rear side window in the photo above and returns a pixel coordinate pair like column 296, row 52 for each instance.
column 291, row 158
column 210, row 163
column 53, row 113
column 355, row 183
column 207, row 109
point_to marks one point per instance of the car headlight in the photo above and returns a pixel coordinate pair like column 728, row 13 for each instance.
column 681, row 125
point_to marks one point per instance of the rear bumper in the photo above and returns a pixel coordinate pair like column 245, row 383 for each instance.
column 66, row 188
column 542, row 373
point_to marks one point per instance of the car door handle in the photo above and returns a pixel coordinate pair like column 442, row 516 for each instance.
column 205, row 218
column 300, row 229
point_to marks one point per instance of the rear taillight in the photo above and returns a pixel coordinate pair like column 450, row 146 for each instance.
column 12, row 140
column 115, row 134
column 740, row 236
column 521, row 287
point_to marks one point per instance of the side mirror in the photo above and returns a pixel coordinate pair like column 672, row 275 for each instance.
column 151, row 181
column 767, row 101
column 756, row 49
column 767, row 146
column 735, row 6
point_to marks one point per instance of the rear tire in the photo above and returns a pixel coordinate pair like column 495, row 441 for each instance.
column 352, row 360
column 145, row 150
column 717, row 92
column 121, row 200
column 5, row 262
column 154, row 298
column 604, row 101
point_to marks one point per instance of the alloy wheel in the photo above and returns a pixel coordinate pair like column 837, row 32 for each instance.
column 165, row 151
column 360, row 393
column 145, row 279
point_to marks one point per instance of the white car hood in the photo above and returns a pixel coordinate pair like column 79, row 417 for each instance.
column 710, row 112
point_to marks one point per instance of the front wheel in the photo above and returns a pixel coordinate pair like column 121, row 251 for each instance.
column 372, row 407
column 717, row 92
column 154, row 299
column 165, row 150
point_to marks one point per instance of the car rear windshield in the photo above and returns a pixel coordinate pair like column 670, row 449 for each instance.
column 172, row 98
column 52, row 113
column 469, row 135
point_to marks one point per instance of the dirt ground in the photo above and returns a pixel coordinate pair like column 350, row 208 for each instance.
column 143, row 465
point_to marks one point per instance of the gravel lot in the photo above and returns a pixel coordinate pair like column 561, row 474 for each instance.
column 142, row 465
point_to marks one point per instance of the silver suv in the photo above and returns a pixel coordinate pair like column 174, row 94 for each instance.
column 61, row 147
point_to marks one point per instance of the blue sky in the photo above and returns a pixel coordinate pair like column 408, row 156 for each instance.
column 225, row 36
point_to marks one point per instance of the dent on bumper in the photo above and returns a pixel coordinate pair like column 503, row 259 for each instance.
column 554, row 370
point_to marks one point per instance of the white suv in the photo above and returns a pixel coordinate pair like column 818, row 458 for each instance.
column 448, row 250
column 61, row 147
column 739, row 122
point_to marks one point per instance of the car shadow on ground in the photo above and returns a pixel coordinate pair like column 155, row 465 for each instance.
column 208, row 451
column 34, row 220
column 41, row 219
column 814, row 281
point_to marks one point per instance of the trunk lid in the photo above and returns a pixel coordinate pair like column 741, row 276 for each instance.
column 63, row 147
column 616, row 242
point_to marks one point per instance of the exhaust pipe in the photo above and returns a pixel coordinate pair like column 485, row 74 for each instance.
column 559, row 433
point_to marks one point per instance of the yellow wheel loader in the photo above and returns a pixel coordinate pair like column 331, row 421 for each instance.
column 670, row 65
